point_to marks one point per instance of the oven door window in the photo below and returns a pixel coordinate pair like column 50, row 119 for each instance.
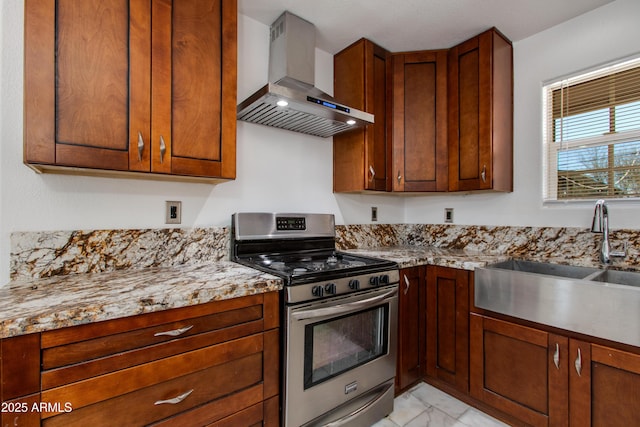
column 336, row 345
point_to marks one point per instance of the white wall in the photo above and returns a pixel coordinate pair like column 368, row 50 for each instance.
column 597, row 37
column 276, row 170
column 283, row 171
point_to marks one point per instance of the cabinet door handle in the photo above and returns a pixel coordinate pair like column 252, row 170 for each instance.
column 373, row 173
column 140, row 146
column 483, row 175
column 556, row 356
column 173, row 333
column 175, row 400
column 578, row 363
column 163, row 149
column 399, row 177
column 407, row 284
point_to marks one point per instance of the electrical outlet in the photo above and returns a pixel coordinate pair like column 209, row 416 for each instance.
column 374, row 213
column 448, row 215
column 173, row 212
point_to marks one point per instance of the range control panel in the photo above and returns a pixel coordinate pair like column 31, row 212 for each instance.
column 340, row 286
column 286, row 223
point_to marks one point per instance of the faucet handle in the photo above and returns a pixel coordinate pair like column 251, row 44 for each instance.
column 620, row 254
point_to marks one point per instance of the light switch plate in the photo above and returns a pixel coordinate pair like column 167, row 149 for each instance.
column 448, row 215
column 173, row 212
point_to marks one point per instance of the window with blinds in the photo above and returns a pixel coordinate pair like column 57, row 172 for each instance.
column 591, row 135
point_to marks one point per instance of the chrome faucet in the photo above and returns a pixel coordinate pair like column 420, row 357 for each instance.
column 600, row 224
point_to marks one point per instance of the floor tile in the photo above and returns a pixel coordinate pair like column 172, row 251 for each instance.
column 441, row 400
column 475, row 418
column 426, row 406
column 405, row 408
column 432, row 417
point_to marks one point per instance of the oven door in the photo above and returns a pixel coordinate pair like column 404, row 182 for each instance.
column 340, row 359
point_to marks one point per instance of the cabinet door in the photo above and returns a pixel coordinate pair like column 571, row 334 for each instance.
column 410, row 327
column 447, row 332
column 420, row 121
column 512, row 370
column 604, row 386
column 361, row 157
column 79, row 59
column 131, row 85
column 20, row 380
column 194, row 87
column 481, row 114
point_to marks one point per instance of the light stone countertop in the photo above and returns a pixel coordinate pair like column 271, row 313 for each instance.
column 44, row 304
column 39, row 305
column 411, row 256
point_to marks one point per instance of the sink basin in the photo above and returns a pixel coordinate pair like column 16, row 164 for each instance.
column 596, row 302
column 558, row 270
column 627, row 278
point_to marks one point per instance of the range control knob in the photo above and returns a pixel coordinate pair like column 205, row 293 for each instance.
column 354, row 284
column 317, row 291
column 384, row 279
column 374, row 281
column 330, row 288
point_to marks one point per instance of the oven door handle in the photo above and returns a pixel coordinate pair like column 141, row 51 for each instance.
column 342, row 308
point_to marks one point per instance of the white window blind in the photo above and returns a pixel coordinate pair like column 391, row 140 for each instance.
column 591, row 134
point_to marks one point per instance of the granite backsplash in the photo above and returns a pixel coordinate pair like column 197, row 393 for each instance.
column 46, row 254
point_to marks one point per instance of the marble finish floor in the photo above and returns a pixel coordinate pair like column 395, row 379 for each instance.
column 426, row 406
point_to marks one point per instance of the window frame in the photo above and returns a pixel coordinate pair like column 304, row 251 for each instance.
column 551, row 147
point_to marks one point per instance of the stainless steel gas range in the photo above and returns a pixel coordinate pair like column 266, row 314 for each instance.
column 339, row 318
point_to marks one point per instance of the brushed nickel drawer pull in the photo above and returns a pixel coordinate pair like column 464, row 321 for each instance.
column 163, row 149
column 140, row 146
column 484, row 173
column 399, row 177
column 373, row 173
column 578, row 363
column 173, row 333
column 556, row 356
column 175, row 400
column 407, row 284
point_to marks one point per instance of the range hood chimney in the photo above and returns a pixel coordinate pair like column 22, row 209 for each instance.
column 290, row 100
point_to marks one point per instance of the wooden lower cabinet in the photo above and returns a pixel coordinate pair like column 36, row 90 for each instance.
column 410, row 328
column 447, row 327
column 210, row 364
column 604, row 386
column 512, row 370
column 20, row 380
column 545, row 379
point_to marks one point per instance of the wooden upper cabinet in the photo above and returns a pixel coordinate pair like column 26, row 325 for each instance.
column 131, row 86
column 481, row 114
column 361, row 157
column 420, row 121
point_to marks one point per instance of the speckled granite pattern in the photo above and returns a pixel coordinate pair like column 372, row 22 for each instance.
column 410, row 256
column 127, row 272
column 38, row 305
column 576, row 246
column 47, row 254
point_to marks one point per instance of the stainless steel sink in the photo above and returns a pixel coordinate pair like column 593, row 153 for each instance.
column 626, row 278
column 603, row 303
column 558, row 270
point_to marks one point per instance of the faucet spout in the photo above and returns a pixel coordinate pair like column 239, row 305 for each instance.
column 600, row 224
column 605, row 249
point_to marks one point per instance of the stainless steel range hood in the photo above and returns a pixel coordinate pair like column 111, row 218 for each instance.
column 290, row 100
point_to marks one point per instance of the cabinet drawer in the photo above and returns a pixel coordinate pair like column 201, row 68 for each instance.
column 136, row 393
column 74, row 361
